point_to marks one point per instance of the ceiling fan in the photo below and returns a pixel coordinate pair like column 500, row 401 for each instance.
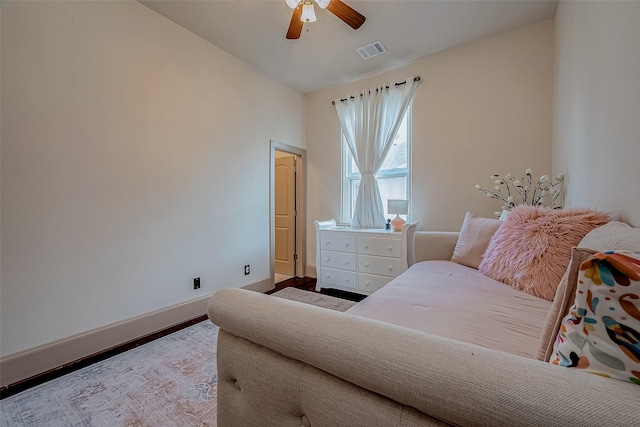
column 303, row 12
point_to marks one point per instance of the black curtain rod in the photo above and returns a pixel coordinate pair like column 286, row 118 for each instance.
column 416, row 79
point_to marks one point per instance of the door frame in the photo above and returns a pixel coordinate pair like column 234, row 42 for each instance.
column 300, row 220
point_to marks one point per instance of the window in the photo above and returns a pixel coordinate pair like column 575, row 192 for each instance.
column 393, row 176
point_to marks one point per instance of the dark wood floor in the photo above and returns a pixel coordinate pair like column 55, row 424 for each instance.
column 309, row 284
column 305, row 283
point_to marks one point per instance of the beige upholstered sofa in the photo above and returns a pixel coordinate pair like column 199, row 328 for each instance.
column 439, row 345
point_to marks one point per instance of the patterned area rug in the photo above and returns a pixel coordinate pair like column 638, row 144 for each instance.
column 171, row 381
column 314, row 298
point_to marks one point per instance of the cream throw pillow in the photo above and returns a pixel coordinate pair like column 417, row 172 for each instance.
column 475, row 235
column 565, row 295
column 613, row 235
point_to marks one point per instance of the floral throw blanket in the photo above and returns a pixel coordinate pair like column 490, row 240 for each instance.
column 601, row 333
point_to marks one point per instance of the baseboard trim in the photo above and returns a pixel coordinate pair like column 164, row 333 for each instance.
column 42, row 360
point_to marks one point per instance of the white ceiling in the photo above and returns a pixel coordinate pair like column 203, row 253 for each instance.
column 325, row 56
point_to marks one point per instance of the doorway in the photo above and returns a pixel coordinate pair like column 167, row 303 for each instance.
column 287, row 216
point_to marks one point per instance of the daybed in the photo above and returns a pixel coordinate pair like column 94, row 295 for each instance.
column 442, row 344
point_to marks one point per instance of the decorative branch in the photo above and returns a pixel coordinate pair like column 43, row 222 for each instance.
column 512, row 192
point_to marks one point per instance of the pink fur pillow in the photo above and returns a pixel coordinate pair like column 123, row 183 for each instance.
column 532, row 249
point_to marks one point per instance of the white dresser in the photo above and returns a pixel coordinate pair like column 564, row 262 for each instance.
column 360, row 260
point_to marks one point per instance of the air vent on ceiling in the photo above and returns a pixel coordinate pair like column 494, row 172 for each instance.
column 370, row 50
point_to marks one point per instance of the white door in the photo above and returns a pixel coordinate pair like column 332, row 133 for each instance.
column 285, row 219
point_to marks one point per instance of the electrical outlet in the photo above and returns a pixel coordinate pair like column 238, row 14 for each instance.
column 247, row 269
column 196, row 283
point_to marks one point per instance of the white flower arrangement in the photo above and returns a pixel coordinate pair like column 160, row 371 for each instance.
column 524, row 191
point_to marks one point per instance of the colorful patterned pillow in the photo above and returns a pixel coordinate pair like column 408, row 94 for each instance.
column 601, row 333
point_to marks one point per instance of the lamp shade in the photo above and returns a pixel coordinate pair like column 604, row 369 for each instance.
column 308, row 14
column 398, row 207
column 323, row 3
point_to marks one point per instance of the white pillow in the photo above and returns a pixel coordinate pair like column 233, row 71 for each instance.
column 611, row 236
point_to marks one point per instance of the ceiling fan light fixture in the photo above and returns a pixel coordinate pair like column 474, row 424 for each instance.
column 293, row 3
column 303, row 12
column 308, row 14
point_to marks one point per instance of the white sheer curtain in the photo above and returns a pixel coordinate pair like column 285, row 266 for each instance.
column 370, row 122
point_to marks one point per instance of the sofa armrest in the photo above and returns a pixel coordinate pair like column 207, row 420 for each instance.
column 434, row 245
column 451, row 381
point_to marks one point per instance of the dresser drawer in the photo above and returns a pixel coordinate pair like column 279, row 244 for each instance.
column 391, row 267
column 343, row 278
column 381, row 247
column 371, row 283
column 341, row 260
column 337, row 242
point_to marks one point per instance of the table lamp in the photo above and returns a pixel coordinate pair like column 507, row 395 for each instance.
column 398, row 207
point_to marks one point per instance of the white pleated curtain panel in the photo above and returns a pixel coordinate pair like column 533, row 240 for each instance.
column 370, row 122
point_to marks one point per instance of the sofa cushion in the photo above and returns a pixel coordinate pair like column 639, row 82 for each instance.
column 532, row 249
column 601, row 333
column 475, row 235
column 457, row 302
column 564, row 298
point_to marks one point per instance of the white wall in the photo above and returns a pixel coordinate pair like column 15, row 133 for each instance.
column 482, row 108
column 597, row 105
column 135, row 157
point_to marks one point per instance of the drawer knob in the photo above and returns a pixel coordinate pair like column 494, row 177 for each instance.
column 366, row 283
column 346, row 262
column 328, row 276
column 390, row 248
column 366, row 246
column 346, row 244
column 347, row 279
column 328, row 259
column 328, row 242
column 390, row 268
column 366, row 264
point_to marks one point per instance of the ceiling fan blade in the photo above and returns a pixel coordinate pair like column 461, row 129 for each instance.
column 350, row 16
column 295, row 27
